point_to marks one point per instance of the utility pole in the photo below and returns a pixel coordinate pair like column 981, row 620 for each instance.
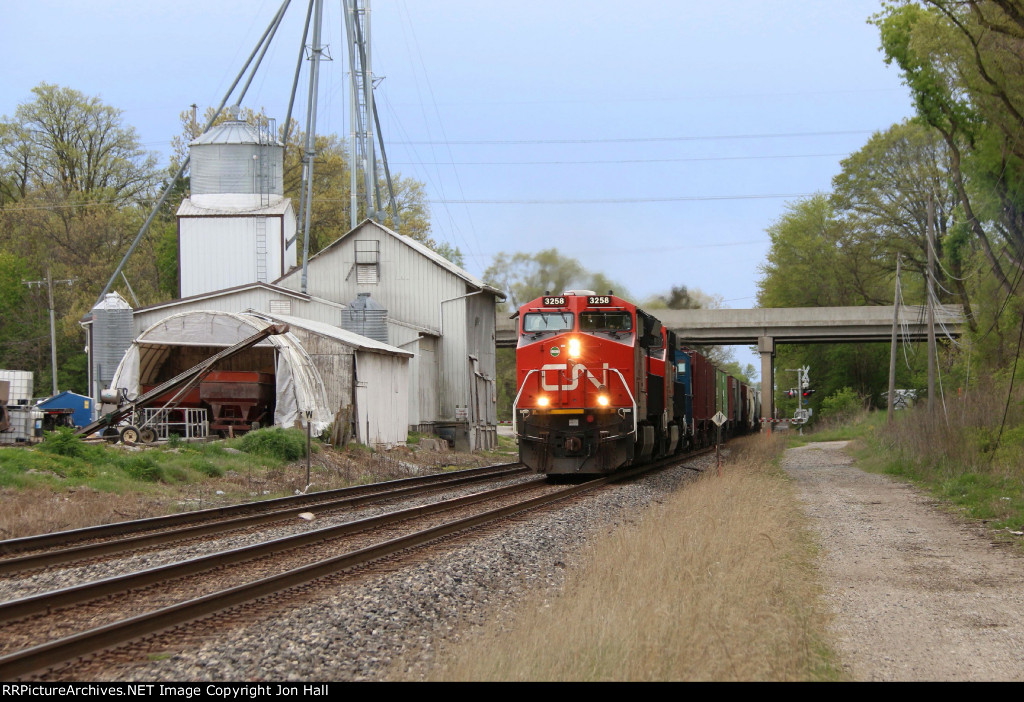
column 931, row 305
column 53, row 325
column 892, row 346
column 306, row 198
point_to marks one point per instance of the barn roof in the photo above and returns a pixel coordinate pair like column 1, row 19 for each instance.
column 419, row 248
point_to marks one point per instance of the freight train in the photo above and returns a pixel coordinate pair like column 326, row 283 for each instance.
column 601, row 384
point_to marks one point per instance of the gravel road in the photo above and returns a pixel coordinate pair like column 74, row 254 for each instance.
column 916, row 594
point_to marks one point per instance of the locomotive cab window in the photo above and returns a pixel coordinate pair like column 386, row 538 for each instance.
column 541, row 322
column 615, row 322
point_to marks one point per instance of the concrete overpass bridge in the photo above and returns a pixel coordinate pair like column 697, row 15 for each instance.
column 766, row 327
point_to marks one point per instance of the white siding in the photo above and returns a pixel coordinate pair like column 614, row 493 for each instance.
column 382, row 408
column 432, row 296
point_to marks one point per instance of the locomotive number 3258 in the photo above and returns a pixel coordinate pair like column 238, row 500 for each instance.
column 599, row 300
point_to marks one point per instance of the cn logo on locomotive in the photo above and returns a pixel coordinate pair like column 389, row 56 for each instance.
column 578, row 370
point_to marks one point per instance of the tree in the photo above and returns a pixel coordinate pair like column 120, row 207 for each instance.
column 882, row 197
column 76, row 144
column 942, row 63
column 805, row 266
column 524, row 276
column 74, row 188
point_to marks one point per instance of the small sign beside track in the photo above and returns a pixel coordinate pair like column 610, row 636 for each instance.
column 718, row 419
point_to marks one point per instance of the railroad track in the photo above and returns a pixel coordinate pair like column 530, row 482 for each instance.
column 47, row 630
column 32, row 552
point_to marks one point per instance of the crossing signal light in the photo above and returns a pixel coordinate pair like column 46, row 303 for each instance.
column 808, row 393
column 791, row 393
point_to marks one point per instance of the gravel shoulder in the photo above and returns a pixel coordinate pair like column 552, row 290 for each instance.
column 915, row 593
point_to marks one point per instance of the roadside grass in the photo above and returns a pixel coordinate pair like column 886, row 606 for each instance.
column 66, row 483
column 717, row 583
column 850, row 428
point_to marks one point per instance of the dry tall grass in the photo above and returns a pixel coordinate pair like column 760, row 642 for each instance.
column 716, row 584
column 961, row 435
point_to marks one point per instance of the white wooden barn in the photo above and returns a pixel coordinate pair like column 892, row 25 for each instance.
column 430, row 366
column 436, row 310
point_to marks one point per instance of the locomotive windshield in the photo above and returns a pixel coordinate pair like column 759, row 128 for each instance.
column 606, row 321
column 538, row 322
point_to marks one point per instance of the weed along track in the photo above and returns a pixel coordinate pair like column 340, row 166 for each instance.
column 44, row 630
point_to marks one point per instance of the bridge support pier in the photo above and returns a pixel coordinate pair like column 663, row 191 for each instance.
column 766, row 347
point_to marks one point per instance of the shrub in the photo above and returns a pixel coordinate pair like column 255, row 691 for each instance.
column 63, row 442
column 141, row 468
column 841, row 404
column 275, row 442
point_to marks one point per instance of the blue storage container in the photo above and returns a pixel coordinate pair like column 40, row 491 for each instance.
column 79, row 404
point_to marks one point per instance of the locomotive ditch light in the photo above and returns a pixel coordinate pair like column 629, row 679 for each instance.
column 574, row 347
column 602, row 400
column 543, row 401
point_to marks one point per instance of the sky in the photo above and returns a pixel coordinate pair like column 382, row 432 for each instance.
column 654, row 141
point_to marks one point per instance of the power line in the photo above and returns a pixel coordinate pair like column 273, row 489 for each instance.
column 621, row 200
column 625, row 160
column 634, row 140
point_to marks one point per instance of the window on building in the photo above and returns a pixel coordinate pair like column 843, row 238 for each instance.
column 280, row 307
column 367, row 262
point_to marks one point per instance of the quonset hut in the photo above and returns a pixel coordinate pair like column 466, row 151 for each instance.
column 315, row 368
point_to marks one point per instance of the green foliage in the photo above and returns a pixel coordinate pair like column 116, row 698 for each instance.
column 74, row 182
column 63, row 442
column 275, row 442
column 141, row 467
column 841, row 404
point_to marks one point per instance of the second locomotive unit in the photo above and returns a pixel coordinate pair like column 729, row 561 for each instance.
column 601, row 384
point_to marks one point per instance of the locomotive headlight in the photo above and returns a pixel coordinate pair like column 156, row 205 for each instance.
column 574, row 348
column 543, row 401
column 602, row 400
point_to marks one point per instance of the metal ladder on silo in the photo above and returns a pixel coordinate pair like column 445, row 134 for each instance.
column 261, row 249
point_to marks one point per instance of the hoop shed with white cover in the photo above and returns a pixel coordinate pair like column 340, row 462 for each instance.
column 314, row 367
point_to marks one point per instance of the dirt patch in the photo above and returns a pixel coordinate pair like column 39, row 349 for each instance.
column 915, row 593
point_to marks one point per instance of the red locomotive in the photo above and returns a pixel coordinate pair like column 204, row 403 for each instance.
column 601, row 384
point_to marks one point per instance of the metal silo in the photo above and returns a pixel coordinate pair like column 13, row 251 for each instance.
column 366, row 317
column 237, row 159
column 111, row 335
column 236, row 227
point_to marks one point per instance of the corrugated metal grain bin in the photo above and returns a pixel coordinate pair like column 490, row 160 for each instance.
column 112, row 334
column 366, row 317
column 235, row 157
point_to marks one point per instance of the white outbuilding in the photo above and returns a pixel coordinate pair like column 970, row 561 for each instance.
column 315, row 367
